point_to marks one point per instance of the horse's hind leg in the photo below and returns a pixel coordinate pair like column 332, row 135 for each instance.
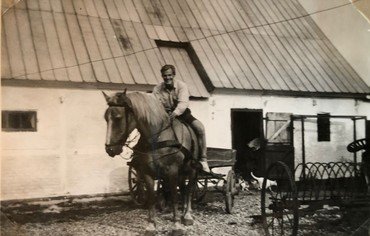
column 182, row 187
column 149, row 181
column 178, row 229
column 187, row 218
column 173, row 187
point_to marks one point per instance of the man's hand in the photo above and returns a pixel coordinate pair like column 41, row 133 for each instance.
column 172, row 116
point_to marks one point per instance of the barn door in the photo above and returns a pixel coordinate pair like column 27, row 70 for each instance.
column 246, row 125
column 279, row 139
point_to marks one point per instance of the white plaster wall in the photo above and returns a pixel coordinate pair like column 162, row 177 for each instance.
column 66, row 155
column 218, row 122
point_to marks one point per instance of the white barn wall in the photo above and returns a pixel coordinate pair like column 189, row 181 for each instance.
column 66, row 155
column 218, row 123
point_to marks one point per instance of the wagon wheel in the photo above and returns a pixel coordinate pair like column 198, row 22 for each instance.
column 137, row 187
column 358, row 145
column 200, row 189
column 279, row 204
column 230, row 191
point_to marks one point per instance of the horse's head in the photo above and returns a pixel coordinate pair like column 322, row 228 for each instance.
column 120, row 122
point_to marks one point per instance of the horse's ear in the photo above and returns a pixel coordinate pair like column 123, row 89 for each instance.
column 122, row 99
column 107, row 98
column 124, row 91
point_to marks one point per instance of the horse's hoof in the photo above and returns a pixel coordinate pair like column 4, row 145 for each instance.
column 187, row 220
column 178, row 230
column 150, row 230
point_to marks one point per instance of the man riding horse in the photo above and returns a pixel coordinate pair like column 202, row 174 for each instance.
column 174, row 95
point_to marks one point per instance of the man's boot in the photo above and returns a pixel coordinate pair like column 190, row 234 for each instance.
column 203, row 161
column 199, row 130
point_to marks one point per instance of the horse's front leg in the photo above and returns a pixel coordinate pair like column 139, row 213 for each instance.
column 151, row 228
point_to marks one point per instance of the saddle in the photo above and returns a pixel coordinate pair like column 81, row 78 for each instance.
column 156, row 145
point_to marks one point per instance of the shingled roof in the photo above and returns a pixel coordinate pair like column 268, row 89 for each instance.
column 259, row 45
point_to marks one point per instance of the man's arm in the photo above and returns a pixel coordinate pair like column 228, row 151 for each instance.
column 183, row 100
column 156, row 89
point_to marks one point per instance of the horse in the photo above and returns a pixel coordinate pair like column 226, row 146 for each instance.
column 166, row 149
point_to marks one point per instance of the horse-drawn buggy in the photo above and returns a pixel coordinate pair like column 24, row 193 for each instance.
column 310, row 186
column 222, row 183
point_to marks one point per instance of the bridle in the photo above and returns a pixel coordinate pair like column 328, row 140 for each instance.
column 126, row 127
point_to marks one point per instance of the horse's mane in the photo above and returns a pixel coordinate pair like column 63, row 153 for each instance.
column 147, row 108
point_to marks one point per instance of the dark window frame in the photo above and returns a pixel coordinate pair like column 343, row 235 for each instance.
column 7, row 115
column 323, row 127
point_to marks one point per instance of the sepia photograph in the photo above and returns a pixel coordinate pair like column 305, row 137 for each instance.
column 185, row 117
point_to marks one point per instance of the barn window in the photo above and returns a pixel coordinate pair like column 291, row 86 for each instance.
column 323, row 127
column 189, row 68
column 278, row 128
column 14, row 121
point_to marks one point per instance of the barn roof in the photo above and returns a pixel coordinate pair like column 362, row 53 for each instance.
column 262, row 45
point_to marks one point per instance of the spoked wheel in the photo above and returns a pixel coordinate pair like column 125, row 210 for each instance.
column 279, row 204
column 358, row 145
column 138, row 190
column 200, row 189
column 230, row 191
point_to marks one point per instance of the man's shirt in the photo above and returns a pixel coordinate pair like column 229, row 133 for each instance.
column 176, row 99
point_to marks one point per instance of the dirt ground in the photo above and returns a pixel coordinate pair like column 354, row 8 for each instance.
column 118, row 215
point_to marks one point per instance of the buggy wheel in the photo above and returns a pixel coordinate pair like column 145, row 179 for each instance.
column 230, row 191
column 200, row 189
column 279, row 204
column 138, row 190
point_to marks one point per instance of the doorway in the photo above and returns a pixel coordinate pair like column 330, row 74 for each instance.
column 247, row 125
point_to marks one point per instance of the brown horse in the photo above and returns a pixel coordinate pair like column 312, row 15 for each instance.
column 165, row 150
